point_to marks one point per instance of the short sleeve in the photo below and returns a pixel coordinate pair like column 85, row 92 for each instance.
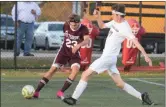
column 85, row 31
column 127, row 31
column 64, row 26
column 129, row 35
column 38, row 10
column 108, row 25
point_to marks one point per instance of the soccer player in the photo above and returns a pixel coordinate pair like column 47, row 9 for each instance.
column 119, row 30
column 130, row 52
column 86, row 51
column 75, row 36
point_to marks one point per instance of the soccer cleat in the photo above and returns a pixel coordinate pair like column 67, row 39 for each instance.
column 36, row 94
column 70, row 101
column 146, row 99
column 60, row 94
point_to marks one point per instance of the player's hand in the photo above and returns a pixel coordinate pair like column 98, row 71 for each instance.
column 75, row 48
column 96, row 13
column 148, row 60
column 33, row 11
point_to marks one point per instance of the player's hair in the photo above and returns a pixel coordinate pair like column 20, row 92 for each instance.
column 119, row 8
column 74, row 18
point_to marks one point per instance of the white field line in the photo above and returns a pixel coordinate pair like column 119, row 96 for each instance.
column 148, row 82
column 61, row 79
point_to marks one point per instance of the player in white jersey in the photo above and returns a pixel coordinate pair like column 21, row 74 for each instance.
column 119, row 30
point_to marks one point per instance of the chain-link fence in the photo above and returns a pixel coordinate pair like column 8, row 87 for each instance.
column 151, row 15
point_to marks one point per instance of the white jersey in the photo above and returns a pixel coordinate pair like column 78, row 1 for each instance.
column 117, row 34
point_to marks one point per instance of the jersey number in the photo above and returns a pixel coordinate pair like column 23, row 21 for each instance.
column 130, row 44
column 89, row 45
column 70, row 44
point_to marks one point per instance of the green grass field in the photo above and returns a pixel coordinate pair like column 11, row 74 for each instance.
column 101, row 91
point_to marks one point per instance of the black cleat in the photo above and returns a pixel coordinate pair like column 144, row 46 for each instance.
column 146, row 100
column 70, row 101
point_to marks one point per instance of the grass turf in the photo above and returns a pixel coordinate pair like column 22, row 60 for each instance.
column 100, row 91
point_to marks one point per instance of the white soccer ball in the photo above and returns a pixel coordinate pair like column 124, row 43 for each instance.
column 28, row 91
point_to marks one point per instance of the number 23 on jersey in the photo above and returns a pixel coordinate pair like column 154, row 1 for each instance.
column 72, row 43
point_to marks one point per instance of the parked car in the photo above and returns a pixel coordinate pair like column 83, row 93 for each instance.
column 36, row 25
column 148, row 46
column 48, row 35
column 7, row 32
column 161, row 47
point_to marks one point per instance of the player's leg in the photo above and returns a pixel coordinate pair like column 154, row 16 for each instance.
column 126, row 87
column 97, row 66
column 47, row 76
column 45, row 79
column 74, row 70
column 80, row 87
column 82, row 83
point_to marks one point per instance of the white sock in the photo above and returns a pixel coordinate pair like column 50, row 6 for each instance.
column 79, row 89
column 129, row 89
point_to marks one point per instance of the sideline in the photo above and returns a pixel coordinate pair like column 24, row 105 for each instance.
column 144, row 81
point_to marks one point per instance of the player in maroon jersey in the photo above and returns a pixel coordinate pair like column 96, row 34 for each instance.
column 75, row 36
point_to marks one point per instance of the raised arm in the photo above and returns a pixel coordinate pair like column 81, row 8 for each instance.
column 97, row 15
column 38, row 10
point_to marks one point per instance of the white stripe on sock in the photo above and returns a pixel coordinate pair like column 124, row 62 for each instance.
column 43, row 81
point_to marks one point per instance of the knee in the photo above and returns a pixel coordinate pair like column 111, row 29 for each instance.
column 75, row 69
column 84, row 76
column 53, row 69
column 120, row 85
column 73, row 75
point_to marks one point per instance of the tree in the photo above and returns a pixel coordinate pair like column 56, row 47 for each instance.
column 6, row 7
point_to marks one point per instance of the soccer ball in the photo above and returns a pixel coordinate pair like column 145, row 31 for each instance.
column 28, row 91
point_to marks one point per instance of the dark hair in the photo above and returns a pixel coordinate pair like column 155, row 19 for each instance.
column 119, row 8
column 74, row 18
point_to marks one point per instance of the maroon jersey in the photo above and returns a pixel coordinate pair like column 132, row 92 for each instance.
column 72, row 38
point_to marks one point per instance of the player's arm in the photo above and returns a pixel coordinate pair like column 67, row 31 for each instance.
column 84, row 42
column 139, row 46
column 38, row 10
column 97, row 15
